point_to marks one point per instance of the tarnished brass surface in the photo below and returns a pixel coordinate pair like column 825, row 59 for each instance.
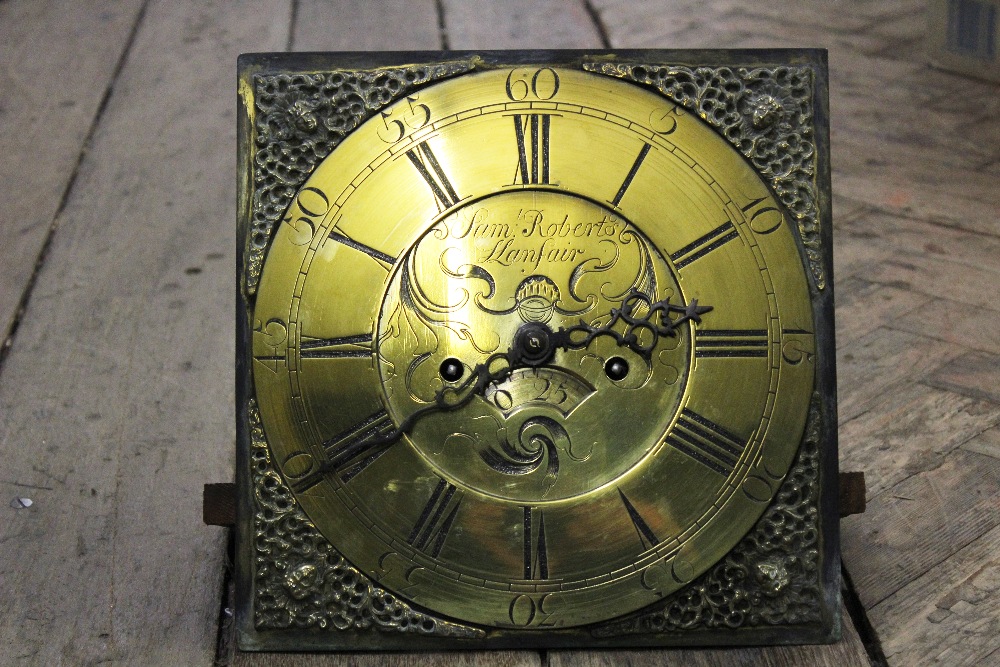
column 561, row 496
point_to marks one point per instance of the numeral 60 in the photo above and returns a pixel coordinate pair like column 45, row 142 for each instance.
column 542, row 84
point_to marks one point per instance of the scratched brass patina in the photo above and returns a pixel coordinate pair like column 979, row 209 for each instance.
column 536, row 354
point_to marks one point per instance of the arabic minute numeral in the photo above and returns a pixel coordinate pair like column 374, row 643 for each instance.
column 399, row 120
column 312, row 205
column 541, row 84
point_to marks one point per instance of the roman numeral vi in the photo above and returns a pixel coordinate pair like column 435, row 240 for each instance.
column 536, row 557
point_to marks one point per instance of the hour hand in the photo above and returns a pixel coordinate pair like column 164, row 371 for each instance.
column 452, row 396
column 640, row 333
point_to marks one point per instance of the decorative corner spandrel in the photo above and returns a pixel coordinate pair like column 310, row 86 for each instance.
column 301, row 581
column 766, row 113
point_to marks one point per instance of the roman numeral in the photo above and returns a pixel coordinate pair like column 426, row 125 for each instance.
column 355, row 448
column 646, row 534
column 731, row 343
column 351, row 451
column 631, row 174
column 538, row 126
column 706, row 442
column 385, row 260
column 431, row 529
column 536, row 558
column 700, row 247
column 430, row 169
column 336, row 348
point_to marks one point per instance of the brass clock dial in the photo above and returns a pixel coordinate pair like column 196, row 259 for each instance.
column 533, row 347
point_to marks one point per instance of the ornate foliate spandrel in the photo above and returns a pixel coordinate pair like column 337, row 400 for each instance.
column 770, row 578
column 299, row 119
column 301, row 581
column 766, row 112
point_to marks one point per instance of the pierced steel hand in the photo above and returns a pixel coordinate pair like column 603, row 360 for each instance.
column 656, row 321
column 496, row 368
column 535, row 344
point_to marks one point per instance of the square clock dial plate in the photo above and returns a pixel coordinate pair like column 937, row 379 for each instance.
column 535, row 349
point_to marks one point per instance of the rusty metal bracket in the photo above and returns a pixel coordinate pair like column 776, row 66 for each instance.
column 852, row 493
column 219, row 504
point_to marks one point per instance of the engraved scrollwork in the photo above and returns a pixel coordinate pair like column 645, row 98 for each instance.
column 538, row 440
column 770, row 578
column 301, row 581
column 766, row 112
column 300, row 118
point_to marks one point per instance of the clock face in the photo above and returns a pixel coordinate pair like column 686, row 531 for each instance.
column 602, row 476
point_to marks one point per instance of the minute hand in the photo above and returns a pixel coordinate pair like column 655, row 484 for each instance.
column 495, row 369
column 656, row 322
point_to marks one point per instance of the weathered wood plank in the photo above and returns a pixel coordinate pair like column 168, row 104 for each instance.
column 986, row 443
column 863, row 306
column 916, row 237
column 909, row 430
column 395, row 25
column 116, row 399
column 951, row 614
column 921, row 257
column 882, row 362
column 849, row 652
column 56, row 64
column 975, row 374
column 900, row 141
column 519, row 24
column 937, row 277
column 883, row 185
column 912, row 528
column 893, row 29
column 973, row 327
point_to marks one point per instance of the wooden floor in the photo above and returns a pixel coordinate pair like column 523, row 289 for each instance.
column 117, row 131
